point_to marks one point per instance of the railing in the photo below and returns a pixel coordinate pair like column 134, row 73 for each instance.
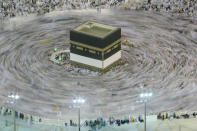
column 37, row 123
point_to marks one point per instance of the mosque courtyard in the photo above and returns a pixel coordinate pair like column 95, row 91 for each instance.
column 162, row 59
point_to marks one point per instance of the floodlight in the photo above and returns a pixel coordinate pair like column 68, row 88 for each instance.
column 142, row 95
column 74, row 101
column 150, row 94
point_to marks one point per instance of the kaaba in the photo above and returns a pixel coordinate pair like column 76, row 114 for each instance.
column 96, row 46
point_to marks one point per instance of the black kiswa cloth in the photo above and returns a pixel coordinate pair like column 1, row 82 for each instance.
column 92, row 40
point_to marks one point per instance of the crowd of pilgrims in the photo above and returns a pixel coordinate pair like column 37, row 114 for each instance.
column 174, row 115
column 185, row 7
column 99, row 122
column 111, row 121
column 19, row 115
column 11, row 8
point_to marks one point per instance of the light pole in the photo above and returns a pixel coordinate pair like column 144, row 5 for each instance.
column 79, row 101
column 145, row 97
column 14, row 97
